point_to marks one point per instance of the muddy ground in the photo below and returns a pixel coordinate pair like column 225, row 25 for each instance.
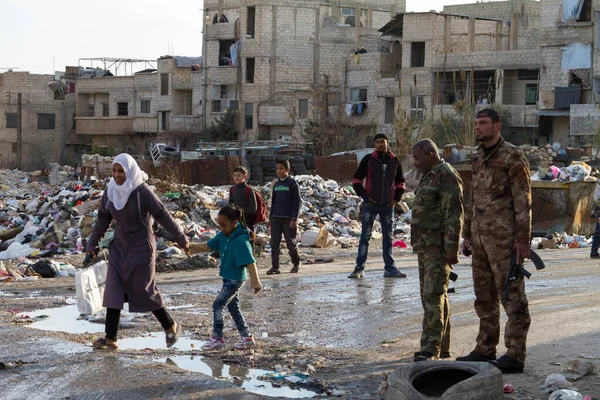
column 345, row 334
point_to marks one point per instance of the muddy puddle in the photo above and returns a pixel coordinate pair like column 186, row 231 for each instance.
column 61, row 319
column 156, row 341
column 245, row 378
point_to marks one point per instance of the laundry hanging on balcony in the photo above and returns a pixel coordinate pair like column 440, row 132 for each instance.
column 234, row 51
column 576, row 56
column 571, row 10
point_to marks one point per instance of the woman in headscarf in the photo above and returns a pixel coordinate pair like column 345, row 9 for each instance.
column 130, row 277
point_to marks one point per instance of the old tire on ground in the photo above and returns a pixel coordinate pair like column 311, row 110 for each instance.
column 452, row 380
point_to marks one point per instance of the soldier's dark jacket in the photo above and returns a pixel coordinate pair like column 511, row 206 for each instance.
column 437, row 215
column 500, row 194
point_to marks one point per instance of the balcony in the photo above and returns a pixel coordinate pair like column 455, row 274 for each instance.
column 110, row 126
column 380, row 62
column 222, row 30
column 145, row 124
column 223, row 75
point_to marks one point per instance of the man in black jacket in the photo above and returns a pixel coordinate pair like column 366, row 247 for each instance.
column 383, row 187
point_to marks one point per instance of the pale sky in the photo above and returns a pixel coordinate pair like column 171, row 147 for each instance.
column 43, row 36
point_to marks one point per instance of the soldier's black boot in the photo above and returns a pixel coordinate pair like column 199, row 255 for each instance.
column 508, row 365
column 477, row 356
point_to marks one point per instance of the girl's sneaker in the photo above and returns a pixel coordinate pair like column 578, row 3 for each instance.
column 214, row 344
column 245, row 342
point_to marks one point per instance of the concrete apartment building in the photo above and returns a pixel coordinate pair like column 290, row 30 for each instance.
column 47, row 118
column 285, row 52
column 127, row 113
column 533, row 58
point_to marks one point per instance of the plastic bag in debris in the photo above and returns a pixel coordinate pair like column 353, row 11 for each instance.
column 578, row 172
column 556, row 382
column 45, row 268
column 577, row 369
column 565, row 394
column 16, row 250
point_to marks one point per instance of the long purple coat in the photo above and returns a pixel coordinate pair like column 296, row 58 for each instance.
column 131, row 269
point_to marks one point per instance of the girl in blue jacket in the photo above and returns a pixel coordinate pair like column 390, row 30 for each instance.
column 237, row 264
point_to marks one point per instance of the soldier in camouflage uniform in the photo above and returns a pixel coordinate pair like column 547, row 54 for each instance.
column 435, row 233
column 498, row 225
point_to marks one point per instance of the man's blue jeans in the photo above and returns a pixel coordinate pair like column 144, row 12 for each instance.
column 229, row 297
column 386, row 216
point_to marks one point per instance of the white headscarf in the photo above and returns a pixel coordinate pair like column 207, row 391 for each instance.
column 134, row 178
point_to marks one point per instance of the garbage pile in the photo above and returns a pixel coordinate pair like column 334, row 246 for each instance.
column 561, row 241
column 39, row 221
column 576, row 172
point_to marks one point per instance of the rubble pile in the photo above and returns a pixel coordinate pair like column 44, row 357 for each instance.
column 39, row 221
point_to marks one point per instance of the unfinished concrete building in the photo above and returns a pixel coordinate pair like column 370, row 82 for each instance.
column 45, row 119
column 534, row 59
column 127, row 113
column 272, row 61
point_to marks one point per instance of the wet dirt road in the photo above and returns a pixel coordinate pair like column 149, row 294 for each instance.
column 335, row 334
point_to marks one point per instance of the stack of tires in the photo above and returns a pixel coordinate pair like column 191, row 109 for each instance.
column 298, row 165
column 256, row 171
column 309, row 161
column 269, row 164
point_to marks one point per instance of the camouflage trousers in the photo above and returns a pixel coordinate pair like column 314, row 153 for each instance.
column 491, row 265
column 433, row 283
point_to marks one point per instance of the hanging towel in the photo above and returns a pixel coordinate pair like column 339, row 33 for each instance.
column 348, row 109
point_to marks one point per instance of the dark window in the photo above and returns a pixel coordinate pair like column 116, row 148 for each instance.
column 145, row 107
column 215, row 106
column 122, row 109
column 358, row 95
column 249, row 115
column 11, row 120
column 417, row 54
column 303, row 108
column 250, row 70
column 223, row 91
column 233, row 105
column 46, row 121
column 348, row 16
column 164, row 120
column 164, row 84
column 74, row 122
column 59, row 95
column 225, row 52
column 105, row 110
column 251, row 22
column 389, row 110
column 586, row 11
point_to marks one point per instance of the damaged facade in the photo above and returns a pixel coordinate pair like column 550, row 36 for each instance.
column 47, row 118
column 275, row 63
column 127, row 113
column 282, row 67
column 534, row 59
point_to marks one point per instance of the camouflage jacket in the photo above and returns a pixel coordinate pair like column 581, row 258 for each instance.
column 437, row 215
column 500, row 194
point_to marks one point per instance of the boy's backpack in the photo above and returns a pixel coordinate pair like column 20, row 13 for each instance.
column 261, row 207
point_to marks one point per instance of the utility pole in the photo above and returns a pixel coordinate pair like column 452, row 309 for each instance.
column 19, row 133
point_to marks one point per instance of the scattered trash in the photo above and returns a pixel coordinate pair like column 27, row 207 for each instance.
column 509, row 388
column 577, row 369
column 556, row 382
column 565, row 394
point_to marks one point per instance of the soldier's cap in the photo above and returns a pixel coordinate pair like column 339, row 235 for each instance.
column 487, row 112
column 381, row 136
